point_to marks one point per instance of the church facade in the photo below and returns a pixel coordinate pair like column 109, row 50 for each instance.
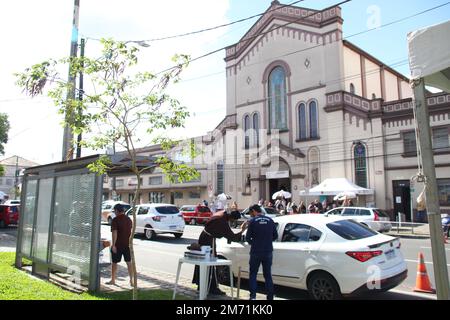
column 303, row 105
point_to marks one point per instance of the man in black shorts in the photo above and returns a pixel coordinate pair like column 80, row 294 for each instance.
column 121, row 231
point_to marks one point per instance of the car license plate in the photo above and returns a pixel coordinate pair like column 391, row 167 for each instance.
column 390, row 254
column 172, row 227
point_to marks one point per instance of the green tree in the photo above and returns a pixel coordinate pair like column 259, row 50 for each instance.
column 124, row 103
column 4, row 128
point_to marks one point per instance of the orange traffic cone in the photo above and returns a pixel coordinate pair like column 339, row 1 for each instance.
column 422, row 280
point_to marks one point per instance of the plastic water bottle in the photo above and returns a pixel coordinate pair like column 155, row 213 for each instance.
column 207, row 253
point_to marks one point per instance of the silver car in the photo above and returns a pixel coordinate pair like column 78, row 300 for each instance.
column 374, row 218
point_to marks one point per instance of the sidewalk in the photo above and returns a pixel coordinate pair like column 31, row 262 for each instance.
column 406, row 231
column 151, row 279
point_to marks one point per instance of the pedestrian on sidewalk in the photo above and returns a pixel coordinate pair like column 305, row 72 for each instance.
column 121, row 231
column 218, row 226
column 260, row 235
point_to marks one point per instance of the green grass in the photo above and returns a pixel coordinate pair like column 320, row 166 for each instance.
column 18, row 285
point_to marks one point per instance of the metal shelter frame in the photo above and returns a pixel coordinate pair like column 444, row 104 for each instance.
column 52, row 172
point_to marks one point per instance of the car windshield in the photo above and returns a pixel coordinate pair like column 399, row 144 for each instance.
column 167, row 210
column 270, row 210
column 203, row 209
column 350, row 230
column 381, row 213
column 189, row 209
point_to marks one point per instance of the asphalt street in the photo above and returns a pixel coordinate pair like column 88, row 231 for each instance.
column 163, row 253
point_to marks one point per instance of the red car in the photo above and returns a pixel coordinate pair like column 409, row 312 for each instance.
column 9, row 214
column 195, row 214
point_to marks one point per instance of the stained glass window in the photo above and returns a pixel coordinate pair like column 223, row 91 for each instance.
column 313, row 120
column 360, row 165
column 256, row 129
column 277, row 99
column 302, row 120
column 246, row 131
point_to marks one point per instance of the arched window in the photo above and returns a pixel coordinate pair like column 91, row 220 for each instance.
column 302, row 121
column 352, row 88
column 360, row 165
column 256, row 129
column 277, row 99
column 220, row 178
column 313, row 120
column 246, row 132
column 374, row 96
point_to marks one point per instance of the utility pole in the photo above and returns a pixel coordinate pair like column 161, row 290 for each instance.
column 67, row 148
column 16, row 183
column 80, row 96
column 114, row 192
column 432, row 201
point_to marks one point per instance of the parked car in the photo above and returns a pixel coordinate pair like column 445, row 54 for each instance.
column 9, row 214
column 446, row 224
column 374, row 218
column 157, row 218
column 108, row 210
column 8, row 202
column 327, row 255
column 245, row 215
column 268, row 211
column 194, row 214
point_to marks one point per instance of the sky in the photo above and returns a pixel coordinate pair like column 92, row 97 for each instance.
column 33, row 31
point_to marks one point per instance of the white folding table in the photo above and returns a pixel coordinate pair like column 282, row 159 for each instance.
column 204, row 268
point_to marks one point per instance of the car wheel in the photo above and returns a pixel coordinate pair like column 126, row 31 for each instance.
column 322, row 286
column 109, row 221
column 149, row 234
column 2, row 224
column 178, row 235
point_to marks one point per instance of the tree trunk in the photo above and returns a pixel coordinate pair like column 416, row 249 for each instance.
column 133, row 260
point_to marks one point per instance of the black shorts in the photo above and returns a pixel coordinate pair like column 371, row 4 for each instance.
column 117, row 257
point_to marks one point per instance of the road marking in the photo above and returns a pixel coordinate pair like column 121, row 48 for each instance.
column 447, row 249
column 415, row 261
column 416, row 294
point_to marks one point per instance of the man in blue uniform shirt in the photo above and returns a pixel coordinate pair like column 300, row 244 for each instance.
column 260, row 235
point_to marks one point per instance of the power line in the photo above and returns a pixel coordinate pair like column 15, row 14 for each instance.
column 309, row 48
column 353, row 35
column 258, row 35
column 142, row 42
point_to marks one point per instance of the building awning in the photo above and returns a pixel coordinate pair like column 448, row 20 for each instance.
column 333, row 186
column 429, row 55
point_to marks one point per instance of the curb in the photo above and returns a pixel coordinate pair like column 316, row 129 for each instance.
column 409, row 236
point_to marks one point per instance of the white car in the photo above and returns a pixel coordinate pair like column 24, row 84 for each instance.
column 9, row 202
column 108, row 210
column 326, row 255
column 158, row 218
column 245, row 215
column 374, row 218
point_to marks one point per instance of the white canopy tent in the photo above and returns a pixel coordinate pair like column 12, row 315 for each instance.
column 333, row 186
column 429, row 56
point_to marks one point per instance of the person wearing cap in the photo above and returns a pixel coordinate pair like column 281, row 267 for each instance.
column 261, row 233
column 218, row 226
column 121, row 231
